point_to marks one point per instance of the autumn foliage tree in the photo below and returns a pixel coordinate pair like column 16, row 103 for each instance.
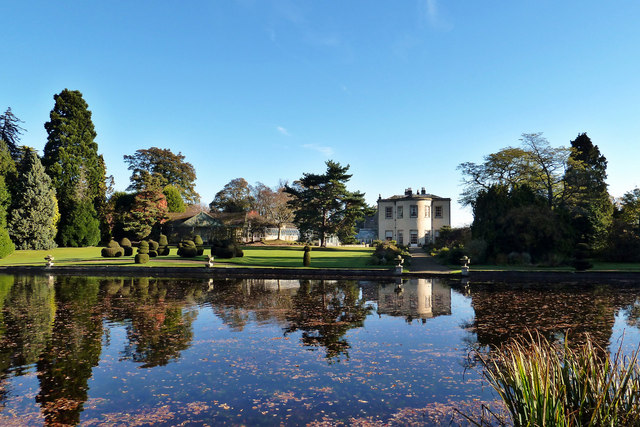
column 149, row 208
column 160, row 166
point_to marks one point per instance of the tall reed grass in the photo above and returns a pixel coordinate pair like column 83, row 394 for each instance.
column 542, row 384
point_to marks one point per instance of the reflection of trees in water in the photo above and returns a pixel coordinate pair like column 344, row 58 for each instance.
column 64, row 367
column 324, row 311
column 158, row 323
column 27, row 310
column 503, row 312
column 239, row 301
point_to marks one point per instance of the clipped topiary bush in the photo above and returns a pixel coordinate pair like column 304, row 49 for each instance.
column 226, row 249
column 142, row 257
column 126, row 246
column 199, row 244
column 239, row 252
column 112, row 250
column 153, row 248
column 581, row 257
column 226, row 252
column 187, row 249
column 163, row 245
column 306, row 259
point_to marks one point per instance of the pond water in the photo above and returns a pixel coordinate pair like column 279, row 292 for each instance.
column 139, row 351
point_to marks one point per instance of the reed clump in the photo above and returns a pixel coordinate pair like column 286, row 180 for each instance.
column 542, row 384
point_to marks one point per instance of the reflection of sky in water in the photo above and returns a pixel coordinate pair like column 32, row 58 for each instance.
column 238, row 366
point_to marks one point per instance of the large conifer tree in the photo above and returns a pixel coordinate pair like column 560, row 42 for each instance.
column 77, row 170
column 588, row 200
column 323, row 206
column 31, row 221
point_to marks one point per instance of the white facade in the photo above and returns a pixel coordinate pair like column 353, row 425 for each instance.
column 414, row 218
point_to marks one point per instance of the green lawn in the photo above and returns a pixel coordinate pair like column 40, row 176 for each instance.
column 267, row 256
column 597, row 266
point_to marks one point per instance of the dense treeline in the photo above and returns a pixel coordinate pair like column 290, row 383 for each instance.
column 66, row 198
column 544, row 205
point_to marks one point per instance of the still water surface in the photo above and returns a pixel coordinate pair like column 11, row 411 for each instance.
column 139, row 351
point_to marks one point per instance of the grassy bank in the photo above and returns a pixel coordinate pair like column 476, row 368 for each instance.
column 267, row 256
column 597, row 267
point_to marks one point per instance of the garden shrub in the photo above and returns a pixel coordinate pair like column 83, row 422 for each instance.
column 126, row 246
column 142, row 257
column 112, row 250
column 580, row 257
column 199, row 244
column 226, row 249
column 239, row 253
column 153, row 248
column 306, row 259
column 386, row 253
column 187, row 249
column 6, row 245
column 163, row 245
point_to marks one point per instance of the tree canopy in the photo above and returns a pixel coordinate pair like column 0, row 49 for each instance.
column 10, row 131
column 71, row 159
column 323, row 206
column 32, row 217
column 235, row 196
column 535, row 164
column 161, row 167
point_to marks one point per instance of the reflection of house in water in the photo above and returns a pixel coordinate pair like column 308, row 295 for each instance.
column 273, row 285
column 415, row 298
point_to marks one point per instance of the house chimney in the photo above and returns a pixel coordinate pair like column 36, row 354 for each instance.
column 408, row 191
column 423, row 191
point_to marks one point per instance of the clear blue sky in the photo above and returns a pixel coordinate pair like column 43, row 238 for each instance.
column 403, row 91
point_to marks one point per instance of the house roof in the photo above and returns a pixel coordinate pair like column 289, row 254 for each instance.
column 199, row 219
column 413, row 197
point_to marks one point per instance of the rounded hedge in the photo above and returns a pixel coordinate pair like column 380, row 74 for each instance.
column 225, row 252
column 163, row 241
column 143, row 247
column 153, row 245
column 306, row 259
column 142, row 258
column 113, row 244
column 112, row 252
column 198, row 240
column 125, row 243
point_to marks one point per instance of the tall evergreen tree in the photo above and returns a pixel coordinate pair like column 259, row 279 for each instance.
column 72, row 161
column 10, row 131
column 588, row 199
column 31, row 221
column 323, row 206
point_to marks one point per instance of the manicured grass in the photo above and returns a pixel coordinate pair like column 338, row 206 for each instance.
column 254, row 256
column 597, row 266
column 349, row 257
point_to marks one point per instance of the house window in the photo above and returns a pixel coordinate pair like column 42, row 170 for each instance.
column 400, row 237
column 413, row 237
column 413, row 211
column 388, row 212
column 399, row 209
column 388, row 235
column 427, row 211
column 438, row 212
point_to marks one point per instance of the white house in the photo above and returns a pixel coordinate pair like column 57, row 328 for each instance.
column 412, row 219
